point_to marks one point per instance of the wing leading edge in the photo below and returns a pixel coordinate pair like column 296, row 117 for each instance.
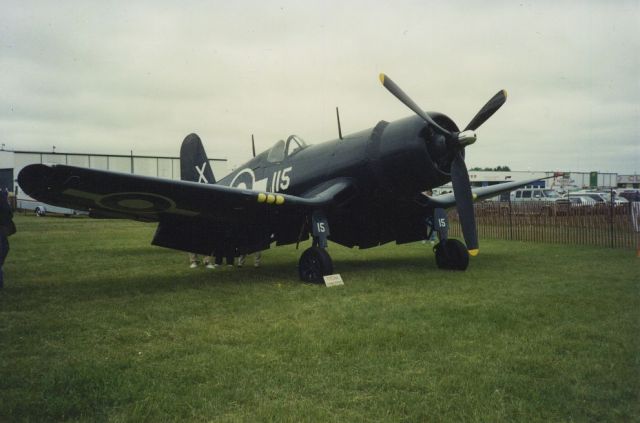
column 113, row 194
column 449, row 200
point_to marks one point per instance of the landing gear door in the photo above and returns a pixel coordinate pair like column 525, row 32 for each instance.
column 440, row 223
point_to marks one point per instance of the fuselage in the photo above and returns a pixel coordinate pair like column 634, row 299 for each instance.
column 377, row 158
column 388, row 164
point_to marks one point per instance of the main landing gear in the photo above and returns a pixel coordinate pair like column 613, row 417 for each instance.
column 315, row 262
column 451, row 254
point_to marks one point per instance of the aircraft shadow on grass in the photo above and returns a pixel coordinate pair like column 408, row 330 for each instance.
column 93, row 288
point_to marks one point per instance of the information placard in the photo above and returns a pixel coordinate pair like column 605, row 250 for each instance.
column 333, row 280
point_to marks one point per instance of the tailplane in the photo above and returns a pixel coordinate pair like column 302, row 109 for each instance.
column 194, row 165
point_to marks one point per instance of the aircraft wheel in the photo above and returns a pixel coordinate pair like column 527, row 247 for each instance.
column 451, row 255
column 315, row 263
column 40, row 211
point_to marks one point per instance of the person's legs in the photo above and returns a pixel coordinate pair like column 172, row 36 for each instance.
column 4, row 250
column 207, row 262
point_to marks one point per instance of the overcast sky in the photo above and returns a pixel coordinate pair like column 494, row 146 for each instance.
column 110, row 77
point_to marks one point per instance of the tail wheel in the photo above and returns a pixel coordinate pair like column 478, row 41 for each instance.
column 40, row 211
column 451, row 255
column 314, row 263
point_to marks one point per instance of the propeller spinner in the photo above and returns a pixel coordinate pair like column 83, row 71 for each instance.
column 457, row 141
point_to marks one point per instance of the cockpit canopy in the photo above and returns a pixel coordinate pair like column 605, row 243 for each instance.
column 282, row 150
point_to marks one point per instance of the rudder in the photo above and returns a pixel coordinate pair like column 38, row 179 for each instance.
column 194, row 164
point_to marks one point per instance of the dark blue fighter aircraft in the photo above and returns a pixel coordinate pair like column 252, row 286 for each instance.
column 362, row 190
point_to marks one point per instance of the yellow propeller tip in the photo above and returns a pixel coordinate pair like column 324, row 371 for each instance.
column 381, row 76
column 505, row 93
column 474, row 252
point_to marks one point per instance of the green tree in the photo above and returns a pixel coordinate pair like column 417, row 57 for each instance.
column 492, row 169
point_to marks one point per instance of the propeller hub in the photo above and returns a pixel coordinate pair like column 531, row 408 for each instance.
column 466, row 138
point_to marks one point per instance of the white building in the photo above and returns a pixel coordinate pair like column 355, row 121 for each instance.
column 562, row 182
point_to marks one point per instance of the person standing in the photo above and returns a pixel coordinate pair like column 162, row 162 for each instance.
column 256, row 259
column 7, row 228
column 193, row 261
column 219, row 256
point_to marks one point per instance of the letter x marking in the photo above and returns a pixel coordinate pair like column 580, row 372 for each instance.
column 201, row 177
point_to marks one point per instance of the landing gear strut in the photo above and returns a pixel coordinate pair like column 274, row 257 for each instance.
column 315, row 262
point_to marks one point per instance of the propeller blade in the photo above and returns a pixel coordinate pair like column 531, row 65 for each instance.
column 487, row 110
column 464, row 202
column 394, row 89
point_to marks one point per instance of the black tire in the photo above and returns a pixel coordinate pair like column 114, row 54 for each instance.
column 451, row 255
column 315, row 263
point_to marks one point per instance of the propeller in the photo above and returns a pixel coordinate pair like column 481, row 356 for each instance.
column 457, row 141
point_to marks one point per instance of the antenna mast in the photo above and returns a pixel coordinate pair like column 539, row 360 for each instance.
column 253, row 145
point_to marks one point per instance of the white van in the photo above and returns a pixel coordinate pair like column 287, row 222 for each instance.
column 534, row 194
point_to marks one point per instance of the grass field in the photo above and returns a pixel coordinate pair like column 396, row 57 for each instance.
column 97, row 325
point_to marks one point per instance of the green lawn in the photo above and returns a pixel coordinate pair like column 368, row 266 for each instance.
column 97, row 325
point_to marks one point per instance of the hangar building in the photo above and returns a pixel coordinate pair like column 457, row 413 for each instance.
column 11, row 162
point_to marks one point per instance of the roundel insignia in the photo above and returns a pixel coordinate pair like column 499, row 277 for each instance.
column 244, row 179
column 140, row 202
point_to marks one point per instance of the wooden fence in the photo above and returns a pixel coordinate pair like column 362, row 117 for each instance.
column 605, row 225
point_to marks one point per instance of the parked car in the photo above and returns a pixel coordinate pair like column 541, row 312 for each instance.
column 630, row 194
column 576, row 200
column 41, row 209
column 600, row 196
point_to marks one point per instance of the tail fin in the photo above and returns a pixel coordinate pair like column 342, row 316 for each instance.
column 194, row 165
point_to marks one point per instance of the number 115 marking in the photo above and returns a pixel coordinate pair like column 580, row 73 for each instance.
column 280, row 179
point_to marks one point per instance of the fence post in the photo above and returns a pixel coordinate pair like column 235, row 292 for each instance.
column 568, row 219
column 510, row 222
column 611, row 205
